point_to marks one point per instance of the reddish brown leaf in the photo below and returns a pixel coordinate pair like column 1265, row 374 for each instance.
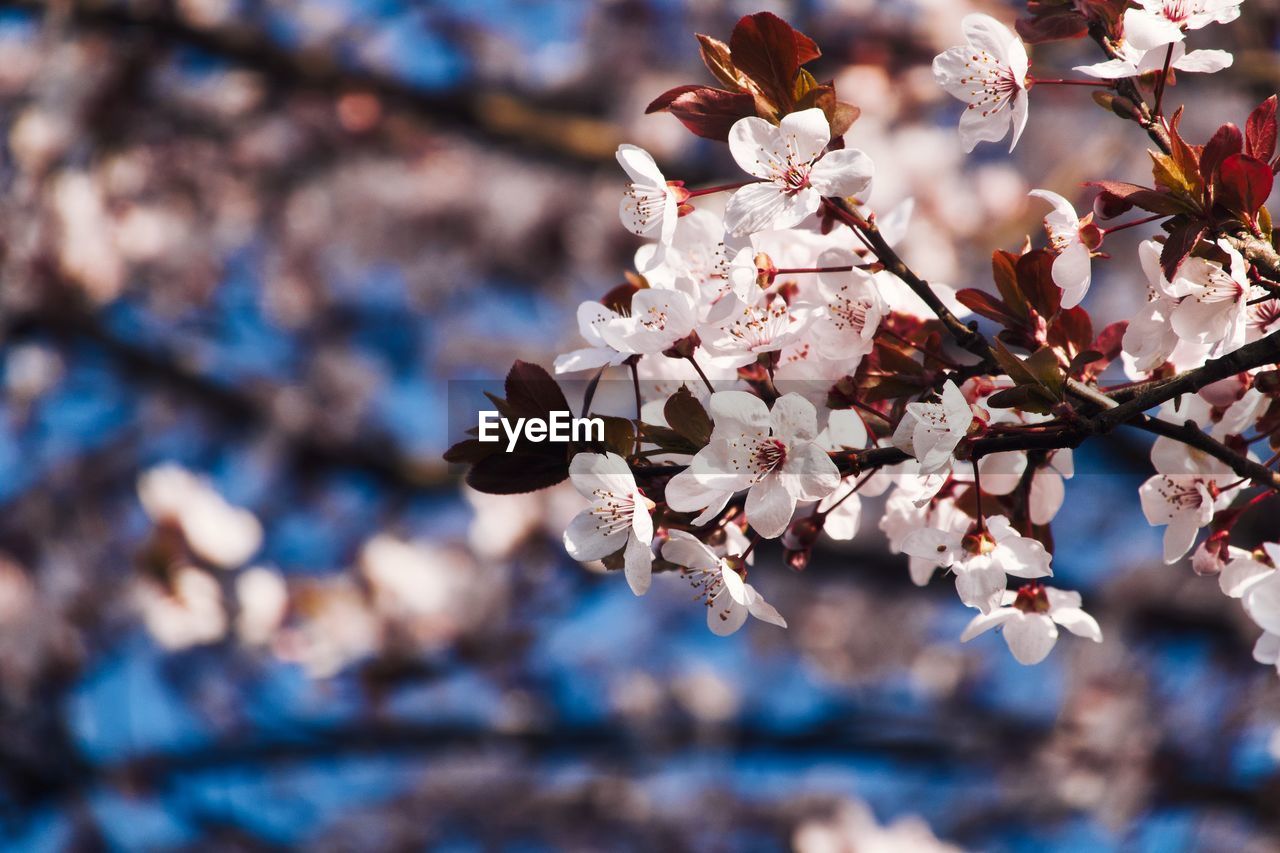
column 1221, row 145
column 769, row 51
column 715, row 55
column 1246, row 183
column 1004, row 272
column 1182, row 239
column 1054, row 26
column 1035, row 280
column 707, row 112
column 1260, row 130
column 986, row 305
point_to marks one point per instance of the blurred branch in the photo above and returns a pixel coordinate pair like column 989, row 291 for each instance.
column 504, row 117
column 257, row 408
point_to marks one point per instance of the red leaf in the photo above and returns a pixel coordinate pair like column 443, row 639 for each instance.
column 1109, row 340
column 1182, row 239
column 532, row 391
column 1072, row 330
column 1117, row 197
column 1004, row 272
column 1035, row 279
column 769, row 51
column 1260, row 130
column 983, row 303
column 1067, row 24
column 707, row 112
column 1223, row 144
column 1246, row 183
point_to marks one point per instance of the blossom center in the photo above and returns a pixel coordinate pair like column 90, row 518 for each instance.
column 769, row 454
column 1032, row 598
column 612, row 512
column 993, row 83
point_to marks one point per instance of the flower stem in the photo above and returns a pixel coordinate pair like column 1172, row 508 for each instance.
column 799, row 270
column 1164, row 79
column 705, row 380
column 1059, row 82
column 720, row 189
column 1143, row 221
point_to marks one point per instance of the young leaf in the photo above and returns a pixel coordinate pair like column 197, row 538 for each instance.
column 1260, row 131
column 1246, row 183
column 707, row 112
column 687, row 417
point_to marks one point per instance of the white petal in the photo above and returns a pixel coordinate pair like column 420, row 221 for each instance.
column 638, row 564
column 845, row 428
column 757, row 207
column 986, row 33
column 1072, row 272
column 1205, row 61
column 584, row 539
column 1078, row 622
column 1267, row 649
column 984, row 622
column 1147, row 31
column 1030, row 637
column 804, row 134
column 755, row 144
column 1262, row 603
column 808, row 472
column 640, row 166
column 794, row 418
column 685, row 549
column 770, row 506
column 843, row 173
column 608, row 472
column 735, row 586
column 939, row 546
column 735, row 412
column 766, row 612
column 1112, row 69
column 1001, row 472
column 726, row 617
column 1047, row 495
column 979, row 583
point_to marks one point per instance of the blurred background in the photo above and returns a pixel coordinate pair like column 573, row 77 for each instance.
column 244, row 605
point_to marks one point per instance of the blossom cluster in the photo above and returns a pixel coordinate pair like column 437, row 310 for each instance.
column 788, row 364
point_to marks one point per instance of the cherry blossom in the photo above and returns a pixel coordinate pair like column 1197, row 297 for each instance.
column 931, row 431
column 1156, row 23
column 1212, row 306
column 729, row 598
column 649, row 205
column 617, row 519
column 1029, row 620
column 1247, row 568
column 796, row 175
column 592, row 316
column 773, row 454
column 988, row 73
column 981, row 561
column 1074, row 239
column 1184, row 494
column 658, row 318
column 848, row 313
column 1133, row 62
column 738, row 332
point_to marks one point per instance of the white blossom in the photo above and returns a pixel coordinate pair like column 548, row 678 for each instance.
column 729, row 598
column 1029, row 620
column 617, row 519
column 795, row 174
column 989, row 74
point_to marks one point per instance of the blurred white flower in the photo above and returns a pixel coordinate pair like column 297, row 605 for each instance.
column 188, row 612
column 216, row 531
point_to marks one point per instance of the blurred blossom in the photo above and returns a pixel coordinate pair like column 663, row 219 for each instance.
column 434, row 593
column 225, row 535
column 263, row 600
column 185, row 611
column 854, row 829
column 330, row 627
column 30, row 370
